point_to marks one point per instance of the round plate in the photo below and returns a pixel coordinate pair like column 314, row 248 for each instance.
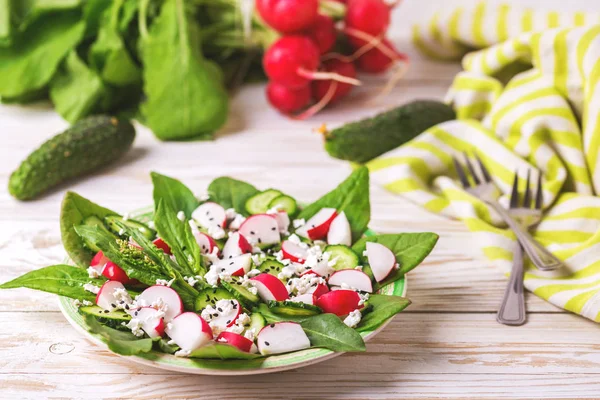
column 265, row 365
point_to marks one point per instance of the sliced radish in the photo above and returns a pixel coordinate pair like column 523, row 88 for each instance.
column 353, row 278
column 318, row 290
column 317, row 227
column 294, row 252
column 162, row 245
column 322, row 269
column 261, row 230
column 237, row 340
column 99, row 261
column 163, row 297
column 270, row 287
column 283, row 221
column 307, row 298
column 282, row 337
column 339, row 231
column 115, row 273
column 381, row 259
column 210, row 215
column 205, row 242
column 152, row 321
column 189, row 331
column 106, row 297
column 236, row 245
column 339, row 302
column 236, row 266
column 227, row 312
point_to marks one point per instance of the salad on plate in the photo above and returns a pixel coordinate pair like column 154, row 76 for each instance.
column 236, row 274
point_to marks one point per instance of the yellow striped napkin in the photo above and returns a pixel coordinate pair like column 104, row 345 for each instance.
column 529, row 100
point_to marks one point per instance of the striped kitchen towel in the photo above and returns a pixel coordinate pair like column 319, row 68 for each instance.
column 528, row 100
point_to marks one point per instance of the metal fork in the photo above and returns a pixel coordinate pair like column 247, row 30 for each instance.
column 485, row 190
column 512, row 310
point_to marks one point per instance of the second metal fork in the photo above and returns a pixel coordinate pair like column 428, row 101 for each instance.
column 485, row 190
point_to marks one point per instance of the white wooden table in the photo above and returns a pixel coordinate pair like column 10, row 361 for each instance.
column 447, row 344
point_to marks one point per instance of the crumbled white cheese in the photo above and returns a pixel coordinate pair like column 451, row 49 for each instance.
column 164, row 282
column 230, row 213
column 160, row 305
column 298, row 223
column 203, row 197
column 93, row 272
column 181, row 216
column 365, row 253
column 122, row 297
column 216, row 232
column 397, row 266
column 353, row 318
column 253, row 272
column 258, row 259
column 364, row 297
column 183, row 353
column 237, row 221
column 91, row 288
column 273, row 211
column 76, row 303
column 192, row 280
column 151, row 225
column 235, row 328
column 287, row 272
column 250, row 334
column 87, row 303
column 304, row 284
column 136, row 327
column 121, row 232
column 358, row 268
column 243, row 319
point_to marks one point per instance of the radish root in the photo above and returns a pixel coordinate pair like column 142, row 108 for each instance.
column 325, row 76
column 315, row 108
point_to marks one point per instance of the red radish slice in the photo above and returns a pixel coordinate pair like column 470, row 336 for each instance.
column 319, row 290
column 237, row 340
column 353, row 278
column 381, row 259
column 162, row 245
column 283, row 222
column 210, row 215
column 317, row 227
column 228, row 312
column 106, row 298
column 236, row 266
column 99, row 261
column 307, row 298
column 261, row 230
column 270, row 287
column 189, row 331
column 322, row 269
column 288, row 100
column 235, row 246
column 115, row 273
column 206, row 243
column 339, row 231
column 281, row 337
column 288, row 16
column 294, row 252
column 152, row 322
column 339, row 302
column 162, row 295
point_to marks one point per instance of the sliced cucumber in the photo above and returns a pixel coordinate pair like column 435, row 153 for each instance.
column 271, row 266
column 210, row 296
column 117, row 315
column 92, row 220
column 346, row 258
column 257, row 322
column 259, row 203
column 241, row 293
column 143, row 228
column 285, row 203
column 293, row 309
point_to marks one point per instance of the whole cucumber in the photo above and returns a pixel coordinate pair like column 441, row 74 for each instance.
column 86, row 146
column 364, row 140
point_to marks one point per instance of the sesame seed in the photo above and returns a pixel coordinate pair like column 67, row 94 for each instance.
column 267, row 343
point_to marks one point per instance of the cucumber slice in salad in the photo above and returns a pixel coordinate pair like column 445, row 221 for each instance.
column 241, row 293
column 99, row 312
column 346, row 257
column 271, row 266
column 285, row 203
column 143, row 228
column 293, row 309
column 210, row 296
column 259, row 203
column 257, row 322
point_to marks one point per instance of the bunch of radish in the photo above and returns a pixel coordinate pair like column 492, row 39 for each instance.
column 305, row 70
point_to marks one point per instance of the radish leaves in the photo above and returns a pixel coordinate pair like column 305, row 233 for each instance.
column 123, row 343
column 223, row 351
column 174, row 194
column 231, row 193
column 328, row 331
column 382, row 308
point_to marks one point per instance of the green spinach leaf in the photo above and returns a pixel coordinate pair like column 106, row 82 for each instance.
column 272, row 317
column 185, row 95
column 410, row 250
column 231, row 193
column 35, row 55
column 174, row 194
column 123, row 343
column 64, row 280
column 328, row 331
column 74, row 210
column 25, row 12
column 382, row 308
column 352, row 197
column 222, row 351
column 6, row 29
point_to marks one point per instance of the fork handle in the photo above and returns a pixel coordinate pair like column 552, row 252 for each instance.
column 512, row 310
column 538, row 254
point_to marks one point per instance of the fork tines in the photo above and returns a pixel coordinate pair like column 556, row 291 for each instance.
column 483, row 176
column 527, row 198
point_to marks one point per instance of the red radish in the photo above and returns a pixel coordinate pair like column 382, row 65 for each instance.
column 339, row 231
column 210, row 215
column 353, row 278
column 380, row 58
column 162, row 295
column 236, row 266
column 283, row 221
column 307, row 298
column 261, row 230
column 322, row 269
column 189, row 331
column 228, row 312
column 115, row 273
column 318, row 290
column 288, row 16
column 99, row 261
column 106, row 298
column 235, row 246
column 381, row 260
column 339, row 302
column 320, row 88
column 237, row 340
column 317, row 227
column 323, row 33
column 369, row 16
column 205, row 242
column 281, row 337
column 152, row 322
column 270, row 288
column 288, row 100
column 294, row 252
column 162, row 245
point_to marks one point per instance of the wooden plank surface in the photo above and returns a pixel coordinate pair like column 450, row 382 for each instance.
column 446, row 345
